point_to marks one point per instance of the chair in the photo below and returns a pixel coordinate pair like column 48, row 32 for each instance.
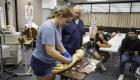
column 137, row 73
column 132, row 65
column 31, row 33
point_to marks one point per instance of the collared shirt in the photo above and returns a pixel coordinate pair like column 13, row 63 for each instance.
column 72, row 36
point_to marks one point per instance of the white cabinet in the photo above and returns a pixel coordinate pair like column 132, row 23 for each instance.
column 5, row 51
column 15, row 55
column 10, row 38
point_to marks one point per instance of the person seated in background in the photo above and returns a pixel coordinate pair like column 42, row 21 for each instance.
column 101, row 41
column 107, row 35
column 129, row 50
column 31, row 32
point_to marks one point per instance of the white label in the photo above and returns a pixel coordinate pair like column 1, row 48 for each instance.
column 28, row 12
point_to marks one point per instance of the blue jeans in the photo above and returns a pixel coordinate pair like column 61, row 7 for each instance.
column 125, row 58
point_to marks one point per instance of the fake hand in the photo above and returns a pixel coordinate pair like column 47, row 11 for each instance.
column 76, row 57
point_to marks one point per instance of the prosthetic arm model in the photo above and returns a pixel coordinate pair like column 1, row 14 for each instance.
column 76, row 57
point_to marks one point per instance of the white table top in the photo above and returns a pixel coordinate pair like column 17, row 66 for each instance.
column 115, row 42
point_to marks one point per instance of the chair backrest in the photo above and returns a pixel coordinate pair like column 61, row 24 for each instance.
column 137, row 73
column 31, row 33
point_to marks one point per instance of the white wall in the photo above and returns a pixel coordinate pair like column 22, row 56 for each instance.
column 46, row 9
column 51, row 4
column 37, row 4
column 3, row 5
column 45, row 13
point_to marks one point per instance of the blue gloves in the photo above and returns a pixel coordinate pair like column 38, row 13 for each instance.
column 70, row 59
column 68, row 56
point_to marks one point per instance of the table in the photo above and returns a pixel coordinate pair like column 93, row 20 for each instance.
column 70, row 73
column 115, row 43
column 27, row 71
column 27, row 42
column 74, row 74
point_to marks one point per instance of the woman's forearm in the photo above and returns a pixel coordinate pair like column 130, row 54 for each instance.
column 62, row 47
column 55, row 54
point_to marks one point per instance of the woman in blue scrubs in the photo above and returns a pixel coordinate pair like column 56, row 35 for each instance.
column 48, row 43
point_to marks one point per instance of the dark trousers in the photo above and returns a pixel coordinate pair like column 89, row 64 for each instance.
column 125, row 58
column 106, row 56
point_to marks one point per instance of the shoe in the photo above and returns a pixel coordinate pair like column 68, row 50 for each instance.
column 103, row 68
column 121, row 77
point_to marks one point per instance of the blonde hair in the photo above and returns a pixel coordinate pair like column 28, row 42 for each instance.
column 65, row 12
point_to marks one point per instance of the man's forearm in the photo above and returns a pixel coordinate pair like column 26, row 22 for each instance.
column 105, row 42
column 104, row 45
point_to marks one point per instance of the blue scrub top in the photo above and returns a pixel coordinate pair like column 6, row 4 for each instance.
column 48, row 34
column 72, row 36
